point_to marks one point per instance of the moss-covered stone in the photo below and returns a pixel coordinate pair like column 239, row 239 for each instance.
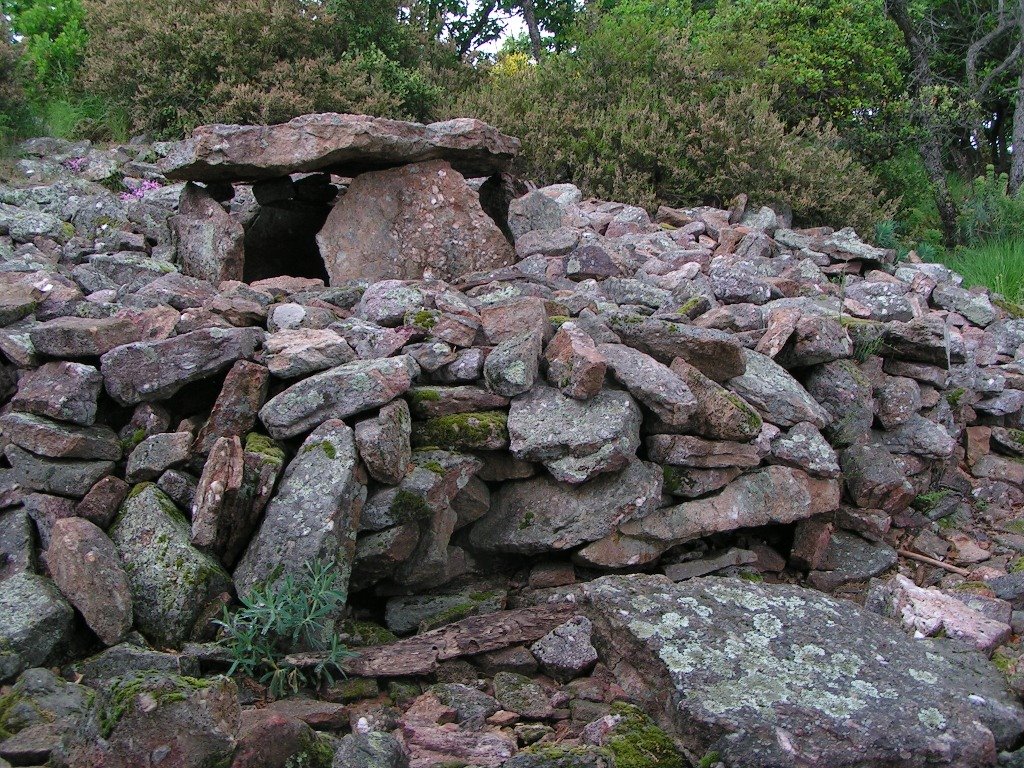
column 264, row 446
column 367, row 633
column 355, row 689
column 636, row 742
column 479, row 430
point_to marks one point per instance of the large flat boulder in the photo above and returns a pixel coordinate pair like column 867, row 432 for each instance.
column 419, row 220
column 338, row 143
column 775, row 675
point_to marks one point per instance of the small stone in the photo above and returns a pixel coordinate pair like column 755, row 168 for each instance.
column 566, row 652
column 511, row 368
column 575, row 365
column 64, row 477
column 76, row 337
column 157, row 453
column 37, row 626
column 63, row 391
column 384, row 442
column 519, row 694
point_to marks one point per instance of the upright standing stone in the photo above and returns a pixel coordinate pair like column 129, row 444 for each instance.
column 315, row 514
column 209, row 240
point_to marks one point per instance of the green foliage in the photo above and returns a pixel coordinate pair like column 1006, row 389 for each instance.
column 283, row 615
column 264, row 61
column 988, row 213
column 53, row 40
column 634, row 113
column 997, row 265
column 13, row 101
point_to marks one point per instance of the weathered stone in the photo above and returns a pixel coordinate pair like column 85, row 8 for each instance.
column 383, row 442
column 919, row 436
column 379, row 554
column 930, row 612
column 534, row 212
column 898, row 399
column 64, row 477
column 60, row 441
column 688, row 451
column 76, row 337
column 389, row 302
column 300, row 352
column 872, row 479
column 816, row 339
column 803, row 447
column 428, row 565
column 650, row 382
column 575, row 439
column 46, row 510
column 17, row 543
column 845, row 393
column 511, row 368
column 179, row 486
column 37, row 626
column 419, row 220
column 208, row 239
column 484, row 430
column 220, row 516
column 315, row 513
column 976, row 307
column 472, row 502
column 430, row 402
column 63, row 391
column 922, row 340
column 688, row 654
column 719, row 414
column 337, row 393
column 776, row 395
column 566, row 652
column 179, row 291
column 127, row 657
column 374, row 749
column 514, row 317
column 419, row 613
column 692, row 569
column 234, row 413
column 190, row 723
column 157, row 453
column 87, row 570
column 849, row 558
column 767, row 496
column 338, row 143
column 155, row 370
column 715, row 354
column 170, row 580
column 273, row 739
column 692, row 483
column 519, row 694
column 542, row 515
column 574, row 364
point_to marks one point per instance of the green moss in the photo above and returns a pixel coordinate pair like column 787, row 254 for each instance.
column 327, row 446
column 1004, row 662
column 1017, row 435
column 130, row 443
column 560, row 756
column 424, row 395
column 467, row 431
column 688, row 306
column 424, row 318
column 926, row 502
column 356, row 689
column 636, row 742
column 953, row 396
column 1017, row 566
column 559, row 320
column 264, row 446
column 7, row 703
column 752, row 576
column 527, row 521
column 408, row 506
column 709, row 760
column 366, row 633
column 139, row 488
column 434, row 466
column 1012, row 308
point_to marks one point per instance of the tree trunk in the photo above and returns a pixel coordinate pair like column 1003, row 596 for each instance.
column 924, row 114
column 530, row 17
column 1017, row 138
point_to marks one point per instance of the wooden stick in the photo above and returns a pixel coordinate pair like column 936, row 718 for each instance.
column 420, row 654
column 933, row 561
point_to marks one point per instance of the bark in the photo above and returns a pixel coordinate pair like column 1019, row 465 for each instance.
column 530, row 17
column 421, row 654
column 1017, row 156
column 924, row 116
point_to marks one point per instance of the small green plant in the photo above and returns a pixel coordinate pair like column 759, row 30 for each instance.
column 865, row 346
column 283, row 615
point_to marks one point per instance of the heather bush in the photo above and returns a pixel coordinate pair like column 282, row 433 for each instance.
column 177, row 63
column 634, row 114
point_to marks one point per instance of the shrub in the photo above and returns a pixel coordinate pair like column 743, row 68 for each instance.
column 13, row 105
column 632, row 114
column 54, row 41
column 282, row 616
column 988, row 213
column 200, row 61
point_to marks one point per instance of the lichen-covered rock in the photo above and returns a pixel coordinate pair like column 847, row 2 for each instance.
column 302, row 351
column 430, row 402
column 374, row 749
column 715, row 354
column 804, row 447
column 43, row 706
column 157, row 453
column 86, row 568
column 384, row 442
column 873, row 481
column 763, row 497
column 719, row 414
column 65, row 477
column 315, row 513
column 188, row 722
column 208, row 239
column 418, row 220
column 520, row 694
column 170, row 580
column 846, row 394
column 511, row 368
column 63, row 391
column 776, row 395
column 650, row 382
column 77, row 337
column 773, row 675
column 575, row 439
column 542, row 515
column 566, row 651
column 155, row 370
column 60, row 441
column 234, row 413
column 272, row 739
column 575, row 365
column 37, row 623
column 475, row 431
column 337, row 393
column 919, row 436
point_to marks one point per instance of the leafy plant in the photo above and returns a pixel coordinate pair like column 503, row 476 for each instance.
column 283, row 615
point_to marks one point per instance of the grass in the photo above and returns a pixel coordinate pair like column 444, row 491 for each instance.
column 997, row 265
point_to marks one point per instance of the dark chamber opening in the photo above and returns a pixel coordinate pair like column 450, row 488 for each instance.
column 282, row 241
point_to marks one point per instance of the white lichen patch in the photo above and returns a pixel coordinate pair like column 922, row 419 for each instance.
column 932, row 718
column 923, row 676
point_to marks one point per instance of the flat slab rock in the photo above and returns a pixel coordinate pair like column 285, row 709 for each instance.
column 773, row 676
column 338, row 143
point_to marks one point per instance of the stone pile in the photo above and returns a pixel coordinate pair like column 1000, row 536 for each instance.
column 461, row 423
